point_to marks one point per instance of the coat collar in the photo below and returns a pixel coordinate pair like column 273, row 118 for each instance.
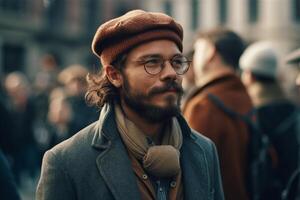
column 115, row 167
column 113, row 162
column 213, row 75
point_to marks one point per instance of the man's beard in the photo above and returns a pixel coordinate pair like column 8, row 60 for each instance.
column 150, row 112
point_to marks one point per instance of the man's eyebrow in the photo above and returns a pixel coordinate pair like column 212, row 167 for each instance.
column 147, row 56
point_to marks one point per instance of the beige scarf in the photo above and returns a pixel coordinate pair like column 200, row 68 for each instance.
column 159, row 160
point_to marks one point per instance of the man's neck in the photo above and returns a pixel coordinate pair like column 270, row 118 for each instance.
column 262, row 94
column 152, row 130
column 211, row 72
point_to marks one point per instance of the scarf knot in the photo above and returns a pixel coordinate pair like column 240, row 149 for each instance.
column 162, row 161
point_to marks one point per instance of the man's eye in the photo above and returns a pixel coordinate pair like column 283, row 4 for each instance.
column 178, row 61
column 153, row 62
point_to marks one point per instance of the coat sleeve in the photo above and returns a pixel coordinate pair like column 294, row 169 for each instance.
column 54, row 182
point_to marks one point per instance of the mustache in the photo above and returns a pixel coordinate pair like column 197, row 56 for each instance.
column 171, row 85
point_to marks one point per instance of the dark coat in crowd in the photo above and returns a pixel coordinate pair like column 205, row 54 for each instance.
column 230, row 135
column 8, row 188
column 279, row 121
column 6, row 127
column 94, row 164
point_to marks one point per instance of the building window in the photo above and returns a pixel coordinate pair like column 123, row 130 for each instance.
column 296, row 10
column 168, row 8
column 91, row 15
column 223, row 11
column 55, row 14
column 253, row 10
column 13, row 58
column 17, row 6
column 195, row 14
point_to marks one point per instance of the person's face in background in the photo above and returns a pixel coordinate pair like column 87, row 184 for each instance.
column 188, row 81
column 76, row 86
column 203, row 53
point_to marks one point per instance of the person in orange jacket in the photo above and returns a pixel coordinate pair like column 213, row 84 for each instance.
column 216, row 58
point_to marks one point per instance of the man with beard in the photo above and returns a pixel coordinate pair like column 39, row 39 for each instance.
column 141, row 147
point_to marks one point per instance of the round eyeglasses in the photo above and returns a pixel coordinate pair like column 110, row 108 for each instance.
column 179, row 63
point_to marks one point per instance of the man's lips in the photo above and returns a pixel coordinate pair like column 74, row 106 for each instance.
column 172, row 90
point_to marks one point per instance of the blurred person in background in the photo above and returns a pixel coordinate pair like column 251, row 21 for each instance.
column 8, row 188
column 59, row 116
column 216, row 58
column 275, row 114
column 188, row 81
column 23, row 152
column 73, row 79
column 46, row 77
column 141, row 147
column 66, row 101
column 294, row 59
column 5, row 123
column 45, row 81
column 292, row 190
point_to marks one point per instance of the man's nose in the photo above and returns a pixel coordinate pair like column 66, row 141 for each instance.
column 168, row 71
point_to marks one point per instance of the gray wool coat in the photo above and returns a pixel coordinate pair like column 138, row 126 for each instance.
column 93, row 164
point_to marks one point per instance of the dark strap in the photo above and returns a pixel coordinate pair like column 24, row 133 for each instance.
column 286, row 124
column 258, row 146
column 219, row 103
column 255, row 131
column 294, row 179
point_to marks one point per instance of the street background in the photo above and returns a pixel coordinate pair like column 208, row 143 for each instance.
column 41, row 38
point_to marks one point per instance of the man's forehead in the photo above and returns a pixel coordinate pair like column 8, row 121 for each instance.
column 157, row 55
column 157, row 48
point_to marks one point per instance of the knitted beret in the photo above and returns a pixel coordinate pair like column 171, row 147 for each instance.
column 260, row 58
column 135, row 27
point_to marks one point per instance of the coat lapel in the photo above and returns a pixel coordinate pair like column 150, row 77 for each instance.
column 113, row 162
column 115, row 168
column 195, row 172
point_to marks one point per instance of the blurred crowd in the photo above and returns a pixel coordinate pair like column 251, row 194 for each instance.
column 231, row 83
column 38, row 114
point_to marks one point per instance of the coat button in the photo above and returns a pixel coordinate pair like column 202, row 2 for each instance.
column 144, row 176
column 173, row 184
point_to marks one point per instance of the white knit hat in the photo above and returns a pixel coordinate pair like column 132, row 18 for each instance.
column 260, row 58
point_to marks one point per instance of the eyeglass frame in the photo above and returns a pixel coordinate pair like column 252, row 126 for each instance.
column 162, row 63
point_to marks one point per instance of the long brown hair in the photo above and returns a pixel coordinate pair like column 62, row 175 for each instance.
column 100, row 89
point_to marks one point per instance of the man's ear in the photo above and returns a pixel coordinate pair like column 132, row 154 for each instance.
column 211, row 52
column 247, row 77
column 114, row 76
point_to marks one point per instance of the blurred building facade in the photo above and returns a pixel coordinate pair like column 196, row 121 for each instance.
column 276, row 20
column 64, row 28
column 30, row 29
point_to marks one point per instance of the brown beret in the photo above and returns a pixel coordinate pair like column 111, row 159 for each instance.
column 135, row 27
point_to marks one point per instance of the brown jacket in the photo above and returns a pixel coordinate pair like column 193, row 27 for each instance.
column 230, row 136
